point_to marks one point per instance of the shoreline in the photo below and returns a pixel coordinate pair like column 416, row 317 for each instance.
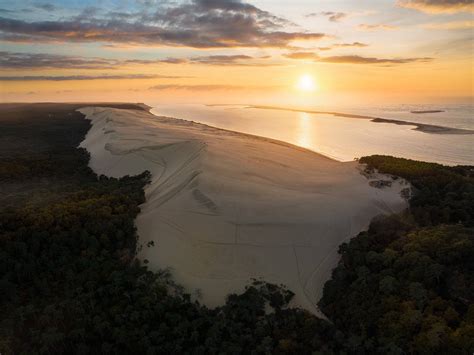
column 421, row 127
column 224, row 207
column 249, row 135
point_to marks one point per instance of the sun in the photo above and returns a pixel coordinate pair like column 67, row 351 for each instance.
column 306, row 83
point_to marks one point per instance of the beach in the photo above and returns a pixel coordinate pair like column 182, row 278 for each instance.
column 225, row 207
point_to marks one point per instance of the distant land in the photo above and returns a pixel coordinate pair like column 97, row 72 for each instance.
column 422, row 127
column 426, row 111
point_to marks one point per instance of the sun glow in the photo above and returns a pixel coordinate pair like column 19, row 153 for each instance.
column 306, row 83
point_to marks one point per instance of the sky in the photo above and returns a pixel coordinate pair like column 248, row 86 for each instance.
column 233, row 51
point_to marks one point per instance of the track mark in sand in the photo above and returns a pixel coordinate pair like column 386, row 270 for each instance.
column 237, row 219
column 200, row 213
column 206, row 242
column 173, row 191
column 382, row 205
column 318, row 267
column 185, row 164
column 109, row 147
column 236, row 233
column 271, row 224
column 158, row 161
column 205, row 201
column 303, row 287
column 172, row 224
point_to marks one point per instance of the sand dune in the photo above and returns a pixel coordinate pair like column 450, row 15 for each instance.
column 224, row 207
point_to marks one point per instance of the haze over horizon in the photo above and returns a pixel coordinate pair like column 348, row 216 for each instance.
column 208, row 51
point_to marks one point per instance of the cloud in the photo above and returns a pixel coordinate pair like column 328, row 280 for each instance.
column 332, row 16
column 453, row 25
column 311, row 55
column 87, row 13
column 353, row 44
column 237, row 60
column 438, row 6
column 174, row 60
column 197, row 24
column 220, row 59
column 302, row 55
column 84, row 77
column 13, row 60
column 45, row 6
column 196, row 87
column 353, row 59
column 211, row 87
column 376, row 27
column 343, row 45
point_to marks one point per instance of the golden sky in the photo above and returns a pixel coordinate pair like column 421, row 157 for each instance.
column 216, row 51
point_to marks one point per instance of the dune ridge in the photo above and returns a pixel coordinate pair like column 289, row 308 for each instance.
column 224, row 207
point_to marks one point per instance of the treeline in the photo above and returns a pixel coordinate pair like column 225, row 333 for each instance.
column 407, row 284
column 70, row 283
column 442, row 194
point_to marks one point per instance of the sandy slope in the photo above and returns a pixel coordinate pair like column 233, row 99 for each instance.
column 224, row 207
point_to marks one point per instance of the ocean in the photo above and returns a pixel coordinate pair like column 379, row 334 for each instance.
column 346, row 138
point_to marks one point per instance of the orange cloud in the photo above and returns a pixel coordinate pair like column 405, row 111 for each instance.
column 354, row 59
column 376, row 27
column 438, row 6
column 453, row 25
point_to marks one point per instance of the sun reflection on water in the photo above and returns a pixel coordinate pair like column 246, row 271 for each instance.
column 304, row 134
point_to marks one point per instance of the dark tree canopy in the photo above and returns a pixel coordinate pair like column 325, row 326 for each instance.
column 407, row 284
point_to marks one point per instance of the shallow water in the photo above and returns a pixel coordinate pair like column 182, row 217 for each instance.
column 346, row 138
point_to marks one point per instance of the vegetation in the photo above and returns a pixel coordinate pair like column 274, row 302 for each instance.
column 407, row 284
column 443, row 194
column 70, row 282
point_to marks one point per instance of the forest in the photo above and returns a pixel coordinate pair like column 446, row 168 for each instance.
column 70, row 282
column 407, row 284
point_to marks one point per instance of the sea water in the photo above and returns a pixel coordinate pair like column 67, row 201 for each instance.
column 343, row 138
